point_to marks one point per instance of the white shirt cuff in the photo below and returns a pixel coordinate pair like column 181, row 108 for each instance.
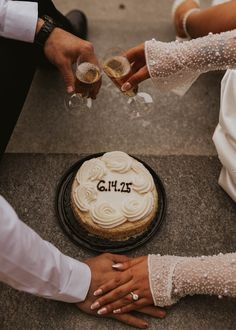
column 21, row 20
column 78, row 285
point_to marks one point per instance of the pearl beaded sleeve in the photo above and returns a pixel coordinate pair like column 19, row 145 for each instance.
column 176, row 65
column 172, row 278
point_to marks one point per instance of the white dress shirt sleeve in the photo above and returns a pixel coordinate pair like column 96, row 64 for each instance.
column 18, row 19
column 28, row 263
column 225, row 134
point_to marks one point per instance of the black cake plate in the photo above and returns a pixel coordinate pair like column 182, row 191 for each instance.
column 80, row 236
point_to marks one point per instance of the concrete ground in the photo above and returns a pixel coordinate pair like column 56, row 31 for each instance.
column 175, row 140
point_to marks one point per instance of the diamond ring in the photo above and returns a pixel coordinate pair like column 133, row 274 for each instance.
column 135, row 296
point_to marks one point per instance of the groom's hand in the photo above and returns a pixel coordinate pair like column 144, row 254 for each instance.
column 102, row 272
column 63, row 49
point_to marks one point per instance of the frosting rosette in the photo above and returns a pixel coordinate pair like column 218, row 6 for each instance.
column 137, row 208
column 142, row 180
column 85, row 194
column 106, row 216
column 93, row 169
column 117, row 161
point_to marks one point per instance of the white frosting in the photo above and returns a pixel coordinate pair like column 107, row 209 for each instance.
column 93, row 169
column 137, row 208
column 86, row 193
column 105, row 215
column 117, row 161
column 114, row 189
column 143, row 181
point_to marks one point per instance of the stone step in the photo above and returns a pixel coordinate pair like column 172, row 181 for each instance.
column 175, row 126
column 200, row 220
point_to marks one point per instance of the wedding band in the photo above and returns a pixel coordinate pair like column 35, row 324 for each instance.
column 135, row 296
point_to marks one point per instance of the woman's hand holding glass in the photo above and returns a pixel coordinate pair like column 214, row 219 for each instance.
column 121, row 67
column 119, row 297
column 136, row 56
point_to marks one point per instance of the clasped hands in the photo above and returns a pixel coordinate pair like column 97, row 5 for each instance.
column 114, row 277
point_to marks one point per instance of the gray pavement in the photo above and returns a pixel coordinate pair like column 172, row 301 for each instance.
column 175, row 126
column 200, row 220
column 175, row 140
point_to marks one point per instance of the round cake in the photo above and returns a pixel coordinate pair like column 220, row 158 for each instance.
column 114, row 196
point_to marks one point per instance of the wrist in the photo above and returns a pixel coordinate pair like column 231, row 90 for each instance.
column 45, row 27
column 40, row 23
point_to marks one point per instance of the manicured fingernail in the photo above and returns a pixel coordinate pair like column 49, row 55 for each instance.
column 95, row 305
column 97, row 292
column 126, row 87
column 117, row 311
column 70, row 89
column 117, row 266
column 102, row 311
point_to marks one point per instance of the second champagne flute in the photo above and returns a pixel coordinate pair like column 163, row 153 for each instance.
column 118, row 68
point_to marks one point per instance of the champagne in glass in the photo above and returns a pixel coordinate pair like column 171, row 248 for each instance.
column 87, row 75
column 118, row 69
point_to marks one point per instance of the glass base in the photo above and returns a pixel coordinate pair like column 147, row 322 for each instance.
column 140, row 105
column 75, row 103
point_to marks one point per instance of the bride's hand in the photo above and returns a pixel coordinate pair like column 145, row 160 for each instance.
column 119, row 299
column 136, row 56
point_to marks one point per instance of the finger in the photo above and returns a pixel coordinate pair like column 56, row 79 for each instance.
column 68, row 76
column 118, row 287
column 128, row 264
column 142, row 306
column 153, row 311
column 136, row 66
column 132, row 320
column 116, row 305
column 136, row 79
column 135, row 53
column 127, row 305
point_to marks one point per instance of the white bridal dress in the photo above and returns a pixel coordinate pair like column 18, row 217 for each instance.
column 175, row 66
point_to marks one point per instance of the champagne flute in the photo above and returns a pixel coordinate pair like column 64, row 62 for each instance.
column 87, row 75
column 118, row 68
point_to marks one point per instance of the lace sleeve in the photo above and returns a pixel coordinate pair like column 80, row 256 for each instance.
column 176, row 65
column 172, row 278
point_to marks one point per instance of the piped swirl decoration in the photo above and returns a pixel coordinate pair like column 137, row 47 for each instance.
column 142, row 181
column 117, row 161
column 137, row 208
column 114, row 189
column 93, row 169
column 106, row 215
column 85, row 194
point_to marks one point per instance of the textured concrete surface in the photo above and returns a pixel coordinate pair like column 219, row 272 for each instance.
column 200, row 220
column 175, row 126
column 200, row 217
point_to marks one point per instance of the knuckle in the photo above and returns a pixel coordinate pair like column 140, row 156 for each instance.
column 89, row 46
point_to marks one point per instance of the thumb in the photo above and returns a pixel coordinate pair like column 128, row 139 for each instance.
column 68, row 76
column 136, row 79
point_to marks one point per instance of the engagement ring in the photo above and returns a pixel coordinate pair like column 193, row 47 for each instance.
column 135, row 296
